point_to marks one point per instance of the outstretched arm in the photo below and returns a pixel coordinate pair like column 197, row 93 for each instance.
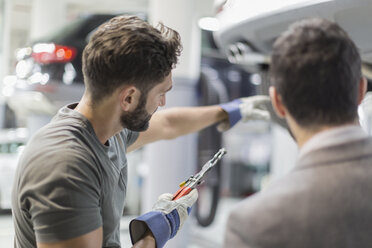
column 174, row 122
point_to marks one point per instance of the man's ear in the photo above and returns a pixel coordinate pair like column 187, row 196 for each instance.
column 129, row 97
column 276, row 101
column 362, row 89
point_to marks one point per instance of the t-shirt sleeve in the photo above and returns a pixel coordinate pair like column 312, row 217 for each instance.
column 63, row 201
column 131, row 137
column 128, row 137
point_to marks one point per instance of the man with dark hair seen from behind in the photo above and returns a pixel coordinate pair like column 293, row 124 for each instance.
column 71, row 179
column 324, row 201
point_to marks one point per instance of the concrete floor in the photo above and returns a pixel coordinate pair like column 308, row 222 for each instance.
column 200, row 237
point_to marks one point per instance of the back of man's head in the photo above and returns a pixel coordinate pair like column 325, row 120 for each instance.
column 316, row 69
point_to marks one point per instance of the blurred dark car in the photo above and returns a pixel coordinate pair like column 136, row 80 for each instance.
column 52, row 65
column 59, row 54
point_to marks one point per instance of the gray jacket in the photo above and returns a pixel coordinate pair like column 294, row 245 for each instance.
column 325, row 201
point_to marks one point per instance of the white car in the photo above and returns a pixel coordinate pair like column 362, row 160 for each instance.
column 247, row 29
column 12, row 142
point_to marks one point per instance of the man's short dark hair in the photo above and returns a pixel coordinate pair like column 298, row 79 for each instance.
column 128, row 50
column 316, row 68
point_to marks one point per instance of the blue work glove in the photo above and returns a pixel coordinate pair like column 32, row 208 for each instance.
column 245, row 109
column 165, row 219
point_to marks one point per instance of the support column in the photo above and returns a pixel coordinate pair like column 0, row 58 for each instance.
column 5, row 30
column 6, row 7
column 171, row 162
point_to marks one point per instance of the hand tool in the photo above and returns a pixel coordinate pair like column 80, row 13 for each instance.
column 193, row 181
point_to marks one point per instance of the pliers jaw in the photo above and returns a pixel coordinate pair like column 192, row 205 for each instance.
column 211, row 163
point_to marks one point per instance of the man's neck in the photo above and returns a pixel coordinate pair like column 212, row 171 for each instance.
column 303, row 134
column 103, row 117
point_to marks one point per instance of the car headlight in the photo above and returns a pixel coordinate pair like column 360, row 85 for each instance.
column 24, row 68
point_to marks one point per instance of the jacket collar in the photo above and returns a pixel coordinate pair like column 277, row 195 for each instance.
column 334, row 146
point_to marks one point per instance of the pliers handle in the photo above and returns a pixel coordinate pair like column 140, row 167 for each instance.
column 181, row 192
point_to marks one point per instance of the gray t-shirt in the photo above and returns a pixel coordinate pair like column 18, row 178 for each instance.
column 68, row 184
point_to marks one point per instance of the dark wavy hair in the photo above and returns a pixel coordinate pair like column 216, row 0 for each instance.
column 128, row 50
column 316, row 68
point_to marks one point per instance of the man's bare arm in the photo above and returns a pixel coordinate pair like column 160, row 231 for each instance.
column 90, row 240
column 174, row 122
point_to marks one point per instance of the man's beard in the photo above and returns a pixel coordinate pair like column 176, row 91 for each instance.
column 139, row 119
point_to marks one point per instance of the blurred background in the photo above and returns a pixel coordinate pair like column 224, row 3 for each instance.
column 226, row 55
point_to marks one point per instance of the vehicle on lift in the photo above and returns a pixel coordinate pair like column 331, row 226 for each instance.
column 248, row 30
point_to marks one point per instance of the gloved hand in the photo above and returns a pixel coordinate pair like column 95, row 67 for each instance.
column 165, row 219
column 245, row 109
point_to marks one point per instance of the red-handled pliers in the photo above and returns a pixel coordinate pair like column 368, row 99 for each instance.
column 193, row 181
